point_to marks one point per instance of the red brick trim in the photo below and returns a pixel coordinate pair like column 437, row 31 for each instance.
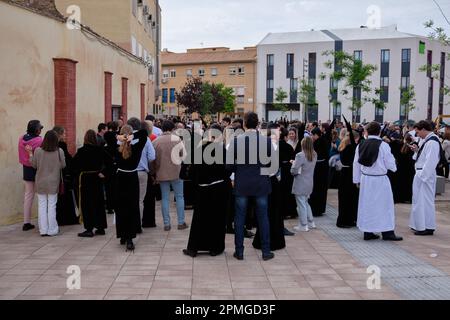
column 124, row 99
column 65, row 79
column 108, row 96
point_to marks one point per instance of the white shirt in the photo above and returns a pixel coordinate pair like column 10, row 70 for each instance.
column 428, row 160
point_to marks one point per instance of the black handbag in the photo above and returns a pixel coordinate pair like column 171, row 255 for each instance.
column 186, row 172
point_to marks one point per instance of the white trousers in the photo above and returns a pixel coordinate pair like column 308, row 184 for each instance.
column 47, row 214
column 305, row 215
column 423, row 211
column 143, row 178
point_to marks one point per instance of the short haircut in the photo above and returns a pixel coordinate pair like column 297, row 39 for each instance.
column 168, row 126
column 135, row 123
column 316, row 131
column 34, row 126
column 373, row 128
column 51, row 141
column 421, row 125
column 150, row 118
column 59, row 130
column 227, row 119
column 90, row 138
column 251, row 120
column 101, row 127
column 113, row 125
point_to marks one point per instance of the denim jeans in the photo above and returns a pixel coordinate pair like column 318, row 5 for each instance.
column 305, row 215
column 177, row 186
column 263, row 223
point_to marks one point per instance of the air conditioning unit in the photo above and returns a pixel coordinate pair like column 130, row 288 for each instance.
column 145, row 10
column 164, row 80
column 150, row 18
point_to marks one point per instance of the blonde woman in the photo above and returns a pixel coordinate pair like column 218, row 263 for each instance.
column 303, row 172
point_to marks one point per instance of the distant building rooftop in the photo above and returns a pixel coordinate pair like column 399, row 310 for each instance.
column 208, row 56
column 362, row 33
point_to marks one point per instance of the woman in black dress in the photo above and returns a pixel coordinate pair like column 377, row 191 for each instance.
column 88, row 165
column 65, row 207
column 212, row 190
column 348, row 193
column 128, row 215
column 111, row 153
column 287, row 201
column 405, row 171
column 322, row 144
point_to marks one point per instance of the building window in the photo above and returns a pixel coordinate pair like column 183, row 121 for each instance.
column 165, row 93
column 201, row 72
column 290, row 66
column 214, row 72
column 293, row 91
column 385, row 56
column 270, row 60
column 269, row 84
column 173, row 73
column 241, row 70
column 233, row 71
column 133, row 45
column 139, row 51
column 165, row 74
column 172, row 95
column 406, row 55
column 405, row 82
column 240, row 95
column 134, row 7
column 116, row 112
column 358, row 55
column 384, row 81
column 189, row 72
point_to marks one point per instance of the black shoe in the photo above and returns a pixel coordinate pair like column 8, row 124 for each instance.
column 146, row 226
column 230, row 230
column 268, row 256
column 390, row 236
column 190, row 253
column 370, row 236
column 237, row 256
column 123, row 241
column 110, row 212
column 86, row 234
column 214, row 253
column 344, row 226
column 100, row 232
column 248, row 234
column 288, row 233
column 139, row 231
column 130, row 246
column 44, row 235
column 424, row 233
column 27, row 226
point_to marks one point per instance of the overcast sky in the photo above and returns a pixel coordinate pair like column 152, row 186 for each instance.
column 236, row 24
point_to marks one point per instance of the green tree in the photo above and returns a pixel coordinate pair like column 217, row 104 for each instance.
column 307, row 96
column 190, row 95
column 356, row 74
column 408, row 99
column 206, row 100
column 279, row 104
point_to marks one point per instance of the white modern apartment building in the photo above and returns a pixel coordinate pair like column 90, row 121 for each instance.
column 286, row 58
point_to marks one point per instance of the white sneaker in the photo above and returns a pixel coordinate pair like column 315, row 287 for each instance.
column 312, row 225
column 301, row 228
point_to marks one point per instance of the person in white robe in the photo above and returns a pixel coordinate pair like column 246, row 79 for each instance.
column 376, row 212
column 427, row 155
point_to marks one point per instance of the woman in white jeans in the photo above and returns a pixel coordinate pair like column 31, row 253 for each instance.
column 48, row 160
column 303, row 171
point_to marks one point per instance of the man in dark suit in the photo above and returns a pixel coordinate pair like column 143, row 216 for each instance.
column 249, row 157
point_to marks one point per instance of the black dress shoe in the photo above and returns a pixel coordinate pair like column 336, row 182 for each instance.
column 230, row 230
column 424, row 233
column 370, row 236
column 248, row 234
column 237, row 256
column 123, row 241
column 27, row 227
column 288, row 233
column 130, row 245
column 100, row 232
column 268, row 256
column 344, row 226
column 139, row 231
column 110, row 212
column 86, row 234
column 44, row 235
column 214, row 253
column 151, row 225
column 190, row 253
column 392, row 237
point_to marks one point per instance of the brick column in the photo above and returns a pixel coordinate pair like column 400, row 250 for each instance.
column 108, row 97
column 143, row 104
column 65, row 98
column 125, row 99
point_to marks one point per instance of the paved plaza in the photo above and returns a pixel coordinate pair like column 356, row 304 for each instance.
column 327, row 263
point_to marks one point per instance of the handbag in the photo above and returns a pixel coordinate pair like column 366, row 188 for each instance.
column 61, row 178
column 186, row 172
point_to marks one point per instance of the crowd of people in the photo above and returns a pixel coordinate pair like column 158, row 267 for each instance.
column 125, row 168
